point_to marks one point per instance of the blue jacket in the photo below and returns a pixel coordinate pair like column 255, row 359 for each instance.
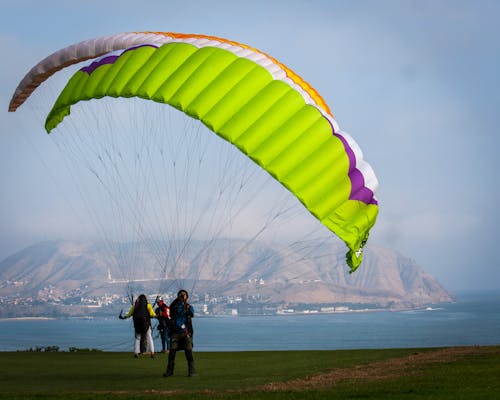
column 181, row 317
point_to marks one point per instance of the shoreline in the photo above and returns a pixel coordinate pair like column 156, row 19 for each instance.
column 28, row 318
column 277, row 314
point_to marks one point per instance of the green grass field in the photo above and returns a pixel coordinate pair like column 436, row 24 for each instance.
column 454, row 373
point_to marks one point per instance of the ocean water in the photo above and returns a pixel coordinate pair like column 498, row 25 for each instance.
column 474, row 319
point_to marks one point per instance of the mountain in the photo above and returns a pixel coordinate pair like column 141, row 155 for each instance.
column 265, row 272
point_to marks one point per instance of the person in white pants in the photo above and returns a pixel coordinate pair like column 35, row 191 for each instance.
column 142, row 312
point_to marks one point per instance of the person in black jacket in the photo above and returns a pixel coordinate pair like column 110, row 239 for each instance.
column 181, row 333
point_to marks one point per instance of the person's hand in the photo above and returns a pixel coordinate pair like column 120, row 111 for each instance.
column 121, row 315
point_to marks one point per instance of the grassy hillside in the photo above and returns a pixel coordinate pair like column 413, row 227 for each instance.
column 454, row 373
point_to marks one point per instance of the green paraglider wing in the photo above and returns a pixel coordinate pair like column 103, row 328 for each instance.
column 255, row 103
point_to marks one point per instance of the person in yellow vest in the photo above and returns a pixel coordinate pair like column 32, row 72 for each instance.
column 141, row 312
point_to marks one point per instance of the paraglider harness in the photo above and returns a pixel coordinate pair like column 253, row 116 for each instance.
column 141, row 317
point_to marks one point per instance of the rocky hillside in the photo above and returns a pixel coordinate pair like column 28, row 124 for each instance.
column 269, row 272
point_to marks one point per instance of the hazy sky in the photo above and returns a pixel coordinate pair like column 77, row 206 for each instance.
column 416, row 83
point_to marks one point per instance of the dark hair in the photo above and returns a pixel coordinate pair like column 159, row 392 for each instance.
column 182, row 291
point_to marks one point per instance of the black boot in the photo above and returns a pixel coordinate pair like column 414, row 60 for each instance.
column 191, row 369
column 170, row 369
column 190, row 362
column 171, row 363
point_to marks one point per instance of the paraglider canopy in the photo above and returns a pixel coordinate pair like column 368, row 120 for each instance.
column 244, row 96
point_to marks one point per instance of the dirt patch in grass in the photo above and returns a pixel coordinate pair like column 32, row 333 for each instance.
column 380, row 370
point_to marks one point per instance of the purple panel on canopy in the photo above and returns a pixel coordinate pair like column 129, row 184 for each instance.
column 96, row 64
column 89, row 69
column 358, row 189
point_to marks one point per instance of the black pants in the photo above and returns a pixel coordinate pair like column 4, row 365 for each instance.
column 185, row 343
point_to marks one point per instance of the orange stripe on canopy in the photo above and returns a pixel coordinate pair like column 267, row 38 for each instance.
column 292, row 75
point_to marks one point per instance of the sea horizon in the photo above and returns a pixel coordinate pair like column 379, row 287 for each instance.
column 473, row 319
